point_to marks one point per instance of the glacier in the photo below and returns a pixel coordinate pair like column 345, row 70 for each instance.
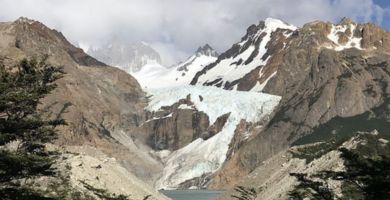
column 207, row 156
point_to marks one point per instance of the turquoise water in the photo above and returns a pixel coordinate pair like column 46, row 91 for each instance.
column 192, row 194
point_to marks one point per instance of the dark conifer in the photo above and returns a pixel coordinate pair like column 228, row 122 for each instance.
column 21, row 89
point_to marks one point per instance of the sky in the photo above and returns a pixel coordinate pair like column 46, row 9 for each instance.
column 175, row 28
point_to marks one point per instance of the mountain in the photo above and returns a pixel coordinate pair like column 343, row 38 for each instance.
column 130, row 57
column 250, row 63
column 157, row 76
column 102, row 105
column 190, row 128
column 322, row 72
column 333, row 80
column 281, row 100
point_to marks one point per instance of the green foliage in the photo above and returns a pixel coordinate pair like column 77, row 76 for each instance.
column 245, row 193
column 21, row 90
column 20, row 93
column 340, row 129
column 314, row 151
column 21, row 194
column 367, row 173
column 15, row 165
column 103, row 194
column 308, row 188
column 368, row 176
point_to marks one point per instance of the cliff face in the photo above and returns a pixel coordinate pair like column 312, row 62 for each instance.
column 326, row 71
column 173, row 127
column 102, row 105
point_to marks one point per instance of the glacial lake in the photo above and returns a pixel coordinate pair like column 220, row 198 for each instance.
column 192, row 194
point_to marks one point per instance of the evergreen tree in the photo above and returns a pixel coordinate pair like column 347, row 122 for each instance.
column 366, row 175
column 21, row 89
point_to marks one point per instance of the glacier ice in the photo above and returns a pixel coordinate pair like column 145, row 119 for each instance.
column 207, row 156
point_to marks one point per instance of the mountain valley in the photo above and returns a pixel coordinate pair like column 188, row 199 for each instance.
column 283, row 99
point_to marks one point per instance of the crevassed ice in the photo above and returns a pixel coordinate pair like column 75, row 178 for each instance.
column 206, row 156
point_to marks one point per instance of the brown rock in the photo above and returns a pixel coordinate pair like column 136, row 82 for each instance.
column 317, row 84
column 102, row 105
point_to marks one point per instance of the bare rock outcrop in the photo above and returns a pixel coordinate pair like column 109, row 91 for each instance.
column 173, row 127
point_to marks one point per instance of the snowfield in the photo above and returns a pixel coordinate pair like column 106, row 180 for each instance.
column 207, row 156
column 158, row 76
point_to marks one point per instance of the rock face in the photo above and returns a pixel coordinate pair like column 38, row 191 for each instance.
column 102, row 105
column 173, row 127
column 325, row 71
column 130, row 57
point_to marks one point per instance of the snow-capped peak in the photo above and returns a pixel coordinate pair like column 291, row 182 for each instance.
column 267, row 25
column 248, row 56
column 157, row 76
column 129, row 56
column 206, row 50
column 273, row 24
column 25, row 20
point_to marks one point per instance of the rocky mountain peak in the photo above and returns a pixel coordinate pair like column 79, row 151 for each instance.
column 345, row 35
column 268, row 23
column 272, row 22
column 25, row 20
column 37, row 39
column 206, row 50
column 130, row 56
column 250, row 55
column 346, row 21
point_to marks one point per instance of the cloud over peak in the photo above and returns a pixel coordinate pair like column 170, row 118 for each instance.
column 177, row 27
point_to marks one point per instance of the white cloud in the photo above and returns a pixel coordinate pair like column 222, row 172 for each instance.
column 177, row 27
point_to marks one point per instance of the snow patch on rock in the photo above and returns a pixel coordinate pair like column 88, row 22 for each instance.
column 228, row 71
column 353, row 42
